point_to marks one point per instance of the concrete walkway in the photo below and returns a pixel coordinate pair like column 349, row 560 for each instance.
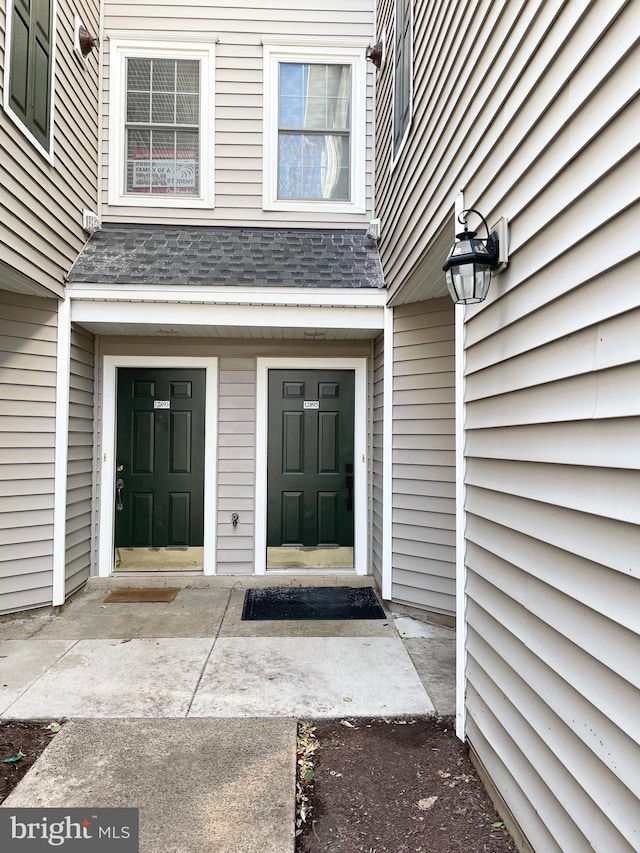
column 189, row 713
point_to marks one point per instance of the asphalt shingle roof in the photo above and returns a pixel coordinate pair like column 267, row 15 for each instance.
column 154, row 255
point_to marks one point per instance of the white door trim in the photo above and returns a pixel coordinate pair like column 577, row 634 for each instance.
column 359, row 367
column 110, row 365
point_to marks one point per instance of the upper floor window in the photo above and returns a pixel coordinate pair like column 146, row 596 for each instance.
column 28, row 82
column 402, row 73
column 161, row 125
column 314, row 134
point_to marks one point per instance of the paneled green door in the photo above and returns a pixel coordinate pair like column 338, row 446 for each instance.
column 160, row 458
column 310, row 458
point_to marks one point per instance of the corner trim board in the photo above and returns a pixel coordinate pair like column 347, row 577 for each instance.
column 61, row 454
column 387, row 458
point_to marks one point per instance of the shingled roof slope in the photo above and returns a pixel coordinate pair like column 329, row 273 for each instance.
column 156, row 255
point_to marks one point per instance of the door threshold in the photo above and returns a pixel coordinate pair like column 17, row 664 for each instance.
column 230, row 582
column 316, row 572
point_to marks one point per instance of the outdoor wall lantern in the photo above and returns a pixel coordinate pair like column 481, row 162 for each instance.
column 470, row 262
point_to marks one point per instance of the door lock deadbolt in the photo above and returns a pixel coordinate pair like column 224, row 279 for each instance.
column 235, row 518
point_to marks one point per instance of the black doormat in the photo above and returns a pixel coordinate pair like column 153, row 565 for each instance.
column 311, row 602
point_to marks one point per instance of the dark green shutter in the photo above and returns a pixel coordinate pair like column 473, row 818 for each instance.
column 30, row 73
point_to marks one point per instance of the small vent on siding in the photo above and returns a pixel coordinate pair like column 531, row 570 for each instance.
column 90, row 221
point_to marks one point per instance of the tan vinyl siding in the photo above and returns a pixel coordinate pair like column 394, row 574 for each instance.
column 28, row 330
column 41, row 222
column 553, row 417
column 236, row 465
column 80, row 461
column 377, row 461
column 424, row 456
column 533, row 110
column 238, row 108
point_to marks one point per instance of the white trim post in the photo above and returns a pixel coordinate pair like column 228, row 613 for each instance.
column 210, row 540
column 61, row 452
column 387, row 457
column 461, row 570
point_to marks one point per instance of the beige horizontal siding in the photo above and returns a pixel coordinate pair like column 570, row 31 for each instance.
column 41, row 222
column 532, row 109
column 238, row 110
column 423, row 457
column 553, row 514
column 27, row 430
column 80, row 461
column 236, row 465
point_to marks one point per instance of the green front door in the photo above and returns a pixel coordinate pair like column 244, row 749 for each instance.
column 310, row 458
column 160, row 458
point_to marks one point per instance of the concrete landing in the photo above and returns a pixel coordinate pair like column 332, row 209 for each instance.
column 201, row 785
column 188, row 713
column 310, row 677
column 195, row 657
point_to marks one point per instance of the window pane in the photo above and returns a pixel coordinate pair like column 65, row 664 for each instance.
column 164, row 75
column 315, row 97
column 138, row 106
column 138, row 161
column 187, row 165
column 313, row 166
column 164, row 93
column 138, row 89
column 187, row 108
column 188, row 76
column 163, row 108
column 402, row 73
column 292, row 86
column 138, row 74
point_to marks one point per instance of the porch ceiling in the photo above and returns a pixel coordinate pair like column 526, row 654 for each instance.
column 177, row 330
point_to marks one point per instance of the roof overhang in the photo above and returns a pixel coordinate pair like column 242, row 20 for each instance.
column 17, row 282
column 426, row 279
column 228, row 312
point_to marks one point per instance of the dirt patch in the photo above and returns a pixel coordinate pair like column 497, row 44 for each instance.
column 21, row 743
column 389, row 786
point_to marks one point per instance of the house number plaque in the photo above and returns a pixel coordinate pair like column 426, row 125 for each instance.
column 162, row 404
column 312, row 404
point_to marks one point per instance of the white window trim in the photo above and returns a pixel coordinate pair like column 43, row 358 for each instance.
column 120, row 51
column 324, row 53
column 360, row 467
column 396, row 155
column 47, row 154
column 106, row 511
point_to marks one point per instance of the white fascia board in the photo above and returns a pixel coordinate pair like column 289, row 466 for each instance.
column 230, row 295
column 282, row 316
